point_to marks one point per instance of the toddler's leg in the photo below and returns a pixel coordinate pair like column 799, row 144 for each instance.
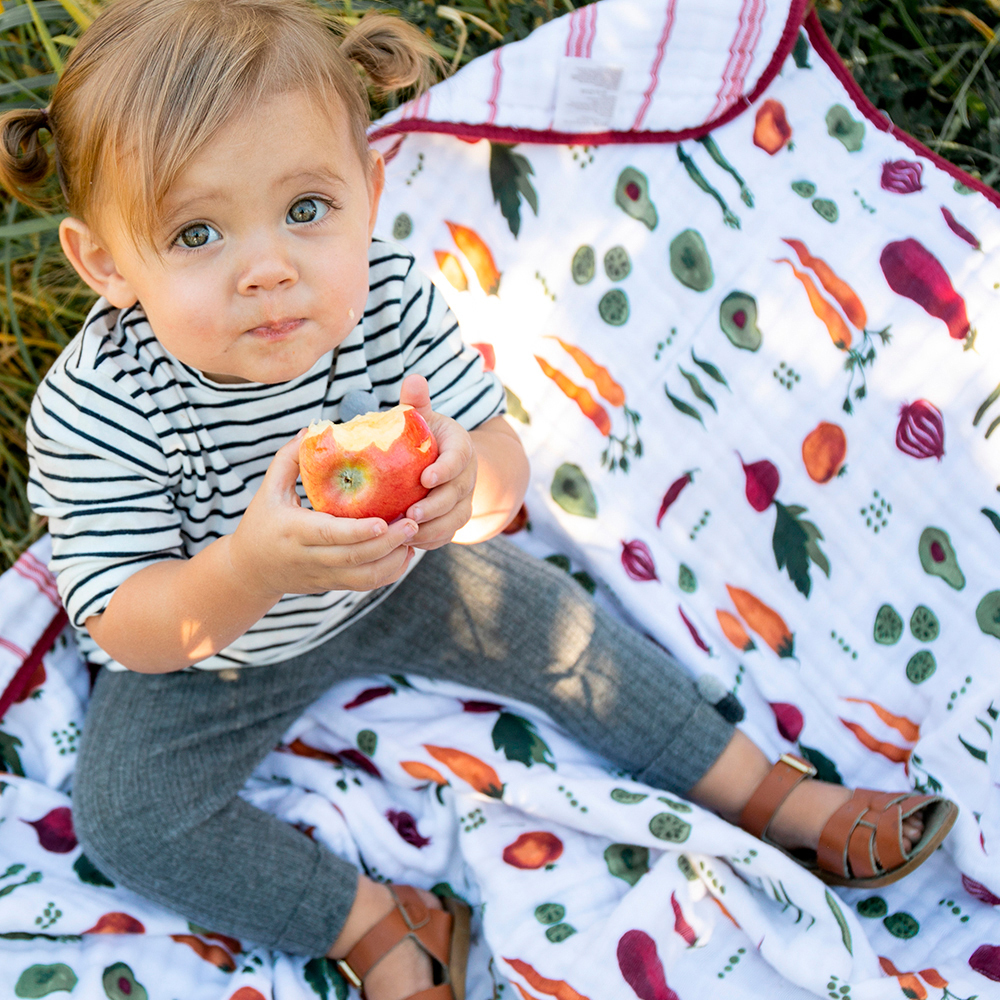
column 156, row 808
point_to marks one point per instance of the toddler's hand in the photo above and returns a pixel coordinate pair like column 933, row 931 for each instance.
column 280, row 547
column 452, row 477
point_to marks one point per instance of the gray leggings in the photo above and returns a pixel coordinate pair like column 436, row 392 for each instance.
column 163, row 756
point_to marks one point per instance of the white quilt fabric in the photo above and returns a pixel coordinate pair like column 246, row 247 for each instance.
column 833, row 571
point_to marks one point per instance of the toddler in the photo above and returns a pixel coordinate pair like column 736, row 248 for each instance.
column 222, row 199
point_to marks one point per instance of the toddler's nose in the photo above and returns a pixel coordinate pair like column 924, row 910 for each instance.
column 266, row 269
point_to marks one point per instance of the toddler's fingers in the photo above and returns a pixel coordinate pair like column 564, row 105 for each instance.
column 347, row 532
column 453, row 459
column 283, row 472
column 440, row 500
column 375, row 574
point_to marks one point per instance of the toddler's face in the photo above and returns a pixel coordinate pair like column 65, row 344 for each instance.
column 261, row 263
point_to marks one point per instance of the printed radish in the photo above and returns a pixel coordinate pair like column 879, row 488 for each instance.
column 789, row 720
column 762, row 482
column 914, row 272
column 920, row 432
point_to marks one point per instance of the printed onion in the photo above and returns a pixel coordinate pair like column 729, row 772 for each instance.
column 637, row 561
column 921, row 430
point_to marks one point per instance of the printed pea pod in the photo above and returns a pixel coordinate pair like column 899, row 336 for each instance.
column 641, row 967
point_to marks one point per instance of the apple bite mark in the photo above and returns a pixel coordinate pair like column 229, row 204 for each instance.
column 368, row 467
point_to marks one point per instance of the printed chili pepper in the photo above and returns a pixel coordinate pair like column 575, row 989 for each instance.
column 698, row 641
column 641, row 967
column 478, row 255
column 841, row 291
column 906, row 728
column 637, row 561
column 734, row 631
column 608, row 388
column 763, row 480
column 481, row 706
column 588, row 406
column 912, row 271
column 898, row 755
column 358, row 759
column 681, row 926
column 832, row 320
column 369, row 694
column 673, row 492
column 765, row 621
column 477, row 773
column 920, row 431
column 557, row 988
column 959, row 230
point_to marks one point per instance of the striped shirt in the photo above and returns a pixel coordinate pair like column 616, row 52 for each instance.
column 137, row 458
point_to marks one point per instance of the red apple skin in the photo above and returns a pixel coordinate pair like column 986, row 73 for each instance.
column 369, row 481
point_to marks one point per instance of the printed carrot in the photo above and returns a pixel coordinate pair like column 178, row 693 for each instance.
column 525, row 995
column 898, row 755
column 681, row 926
column 765, row 621
column 933, row 978
column 477, row 773
column 698, row 641
column 908, row 982
column 608, row 388
column 477, row 253
column 449, row 266
column 422, row 772
column 908, row 729
column 842, row 292
column 832, row 320
column 734, row 631
column 219, row 957
column 557, row 988
column 588, row 406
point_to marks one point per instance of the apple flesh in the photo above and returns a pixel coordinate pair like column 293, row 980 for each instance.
column 368, row 467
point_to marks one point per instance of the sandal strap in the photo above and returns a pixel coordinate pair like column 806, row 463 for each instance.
column 864, row 837
column 440, row 992
column 411, row 918
column 772, row 791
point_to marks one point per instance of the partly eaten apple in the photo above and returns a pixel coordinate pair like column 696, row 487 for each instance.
column 369, row 466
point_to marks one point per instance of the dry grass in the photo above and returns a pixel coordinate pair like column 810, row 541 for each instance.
column 933, row 68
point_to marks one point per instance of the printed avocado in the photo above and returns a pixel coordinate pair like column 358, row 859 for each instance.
column 689, row 261
column 804, row 189
column 842, row 126
column 938, row 557
column 120, row 983
column 583, row 267
column 632, row 197
column 613, row 307
column 888, row 626
column 571, row 490
column 920, row 666
column 988, row 613
column 924, row 624
column 41, row 980
column 617, row 264
column 738, row 319
column 628, row 862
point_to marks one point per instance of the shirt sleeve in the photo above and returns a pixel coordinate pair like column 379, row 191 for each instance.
column 99, row 474
column 460, row 387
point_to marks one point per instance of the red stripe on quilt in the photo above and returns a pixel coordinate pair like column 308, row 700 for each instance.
column 574, row 31
column 20, row 680
column 654, row 71
column 31, row 569
column 495, row 92
column 741, row 51
column 591, row 31
column 13, row 647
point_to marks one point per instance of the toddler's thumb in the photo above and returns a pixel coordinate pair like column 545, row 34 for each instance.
column 283, row 472
column 414, row 392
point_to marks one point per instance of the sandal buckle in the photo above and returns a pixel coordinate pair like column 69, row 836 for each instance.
column 800, row 765
column 348, row 973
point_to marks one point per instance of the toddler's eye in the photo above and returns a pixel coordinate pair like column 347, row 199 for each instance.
column 197, row 235
column 307, row 210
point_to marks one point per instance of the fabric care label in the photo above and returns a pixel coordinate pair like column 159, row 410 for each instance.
column 586, row 94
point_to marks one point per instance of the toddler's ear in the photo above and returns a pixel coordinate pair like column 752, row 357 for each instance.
column 376, row 182
column 94, row 263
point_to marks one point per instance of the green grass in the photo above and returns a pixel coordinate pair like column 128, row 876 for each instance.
column 933, row 69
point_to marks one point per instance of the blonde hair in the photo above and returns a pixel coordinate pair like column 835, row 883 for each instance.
column 152, row 81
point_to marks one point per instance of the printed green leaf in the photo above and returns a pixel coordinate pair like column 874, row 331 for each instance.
column 789, row 542
column 321, row 974
column 710, row 370
column 509, row 173
column 815, row 553
column 975, row 751
column 86, row 872
column 686, row 408
column 10, row 762
column 519, row 740
column 697, row 389
column 845, row 931
column 993, row 516
column 826, row 770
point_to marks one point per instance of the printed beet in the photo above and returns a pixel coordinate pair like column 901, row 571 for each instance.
column 406, row 826
column 914, row 272
column 55, row 830
column 533, row 850
column 986, row 961
column 641, row 967
column 921, row 430
column 762, row 482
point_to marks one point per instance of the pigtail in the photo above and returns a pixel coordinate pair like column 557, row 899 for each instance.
column 24, row 162
column 393, row 54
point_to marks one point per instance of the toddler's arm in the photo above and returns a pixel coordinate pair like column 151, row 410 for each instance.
column 176, row 612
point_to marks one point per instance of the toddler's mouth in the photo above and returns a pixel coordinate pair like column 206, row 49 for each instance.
column 277, row 329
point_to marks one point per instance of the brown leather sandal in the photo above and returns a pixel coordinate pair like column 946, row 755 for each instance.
column 443, row 935
column 861, row 846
